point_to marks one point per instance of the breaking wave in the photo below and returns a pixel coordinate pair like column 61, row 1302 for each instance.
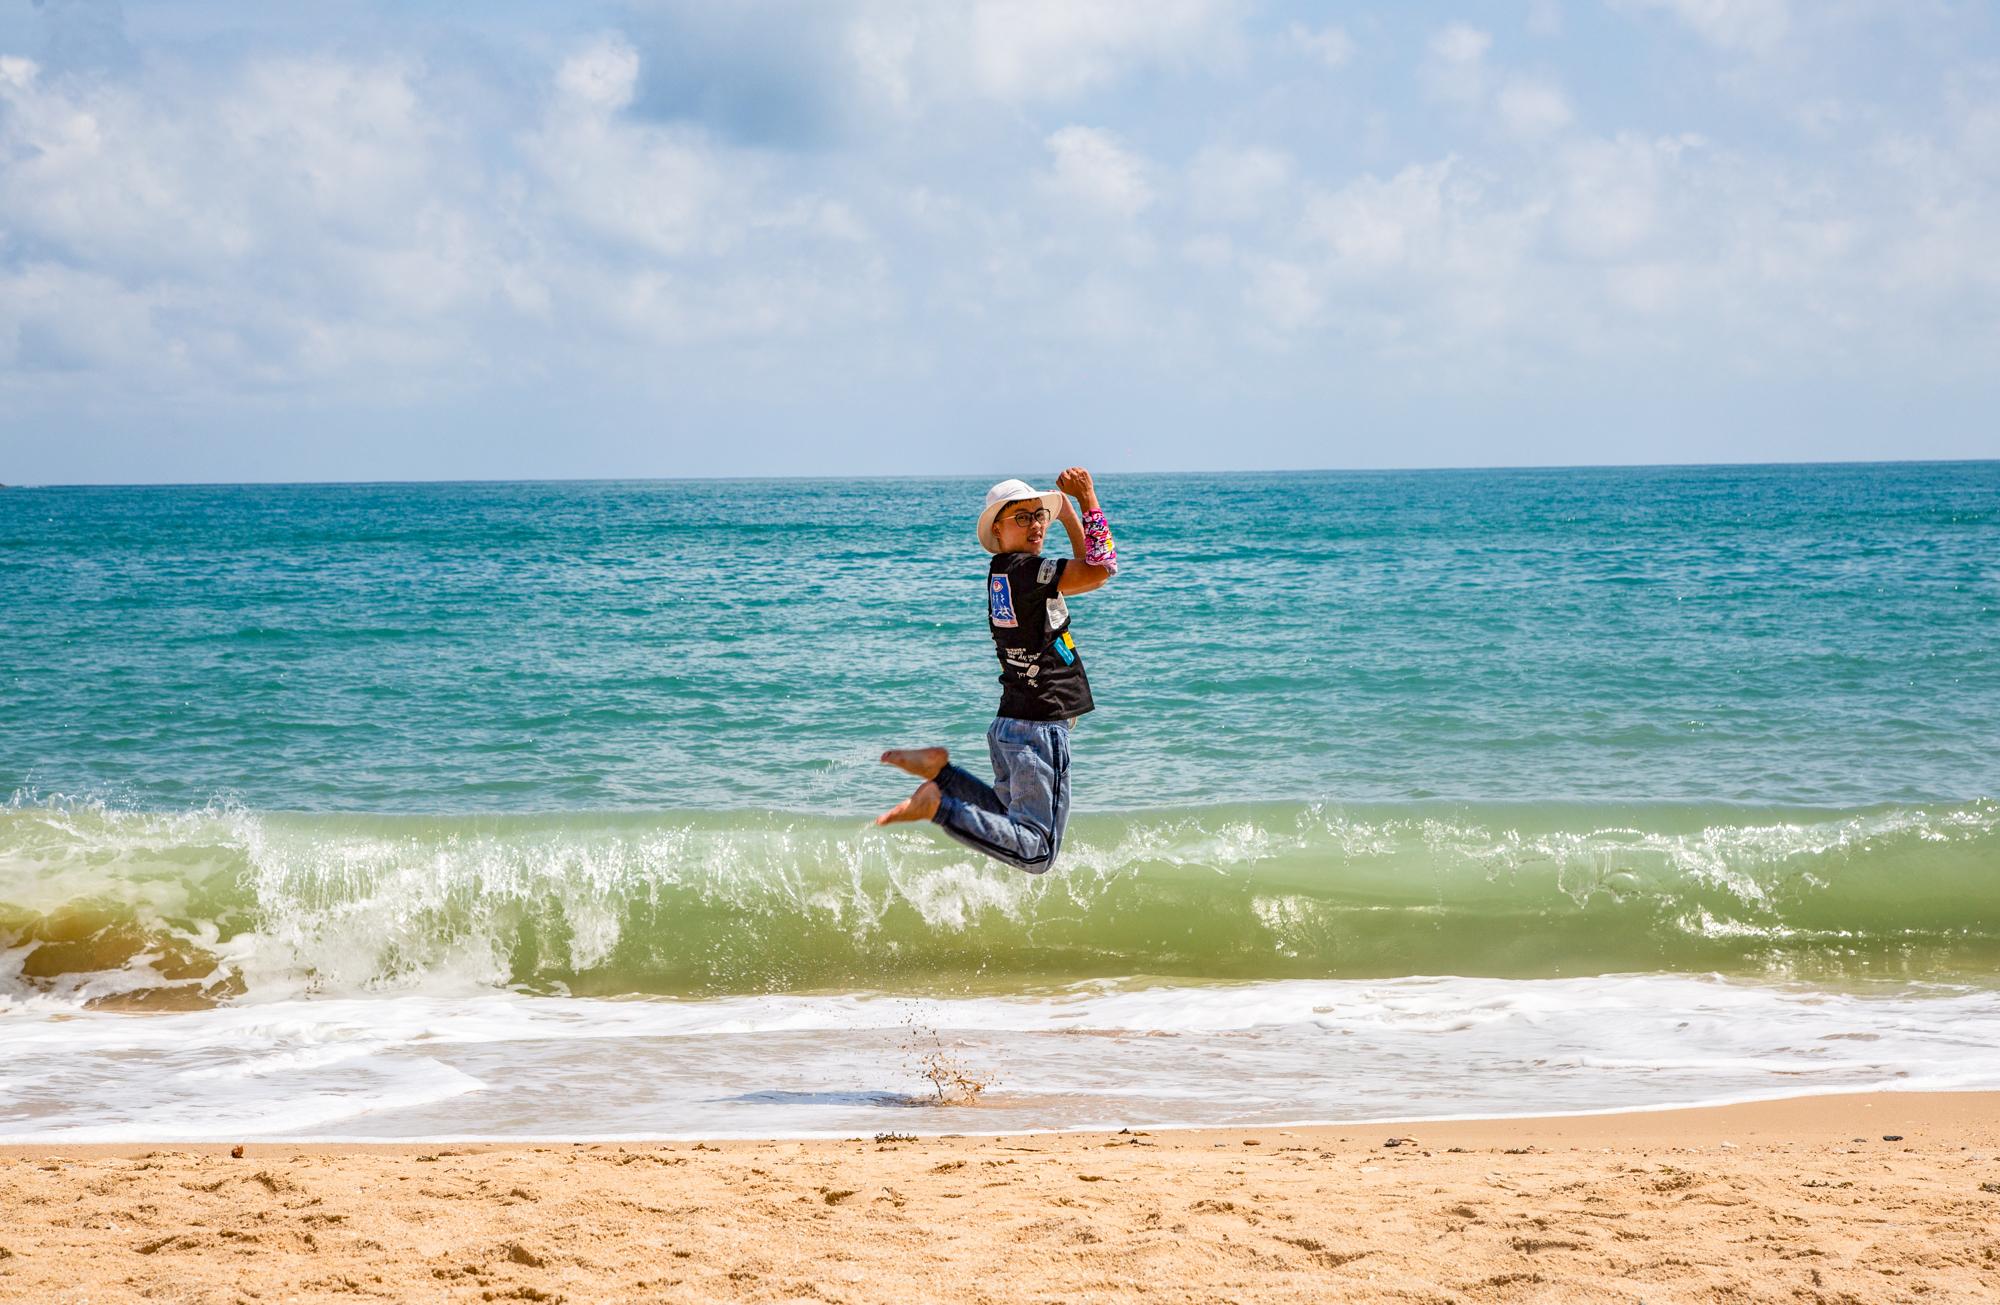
column 119, row 908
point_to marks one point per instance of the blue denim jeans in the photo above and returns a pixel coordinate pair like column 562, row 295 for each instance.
column 1020, row 818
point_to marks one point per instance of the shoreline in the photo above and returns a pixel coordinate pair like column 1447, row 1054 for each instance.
column 1868, row 1196
column 1805, row 1110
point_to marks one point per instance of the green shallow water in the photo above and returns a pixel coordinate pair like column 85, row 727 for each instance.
column 129, row 907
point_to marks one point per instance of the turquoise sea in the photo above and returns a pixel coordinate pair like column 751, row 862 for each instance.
column 428, row 810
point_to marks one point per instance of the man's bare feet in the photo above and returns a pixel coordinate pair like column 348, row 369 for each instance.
column 920, row 805
column 924, row 763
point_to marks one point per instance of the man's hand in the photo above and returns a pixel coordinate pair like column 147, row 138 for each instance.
column 1076, row 481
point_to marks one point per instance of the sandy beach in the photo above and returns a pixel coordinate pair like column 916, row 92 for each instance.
column 1859, row 1198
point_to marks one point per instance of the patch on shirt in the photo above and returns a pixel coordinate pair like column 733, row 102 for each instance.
column 1065, row 648
column 1048, row 571
column 1023, row 662
column 1000, row 601
column 1058, row 612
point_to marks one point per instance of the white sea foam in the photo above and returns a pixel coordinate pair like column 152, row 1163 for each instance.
column 507, row 1065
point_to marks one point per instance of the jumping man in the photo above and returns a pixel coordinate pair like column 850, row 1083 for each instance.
column 1043, row 689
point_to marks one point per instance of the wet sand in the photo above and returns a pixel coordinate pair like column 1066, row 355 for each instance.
column 1866, row 1198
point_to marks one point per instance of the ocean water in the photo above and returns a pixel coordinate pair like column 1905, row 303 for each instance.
column 542, row 809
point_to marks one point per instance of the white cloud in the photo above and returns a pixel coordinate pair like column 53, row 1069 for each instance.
column 1236, row 185
column 1055, row 49
column 1373, row 225
column 1431, row 227
column 1209, row 251
column 272, row 229
column 1532, row 107
column 1645, row 288
column 1284, row 295
column 345, row 222
column 1092, row 169
column 601, row 76
column 1455, row 70
column 290, row 150
column 1435, row 262
column 1100, row 309
column 1608, row 199
column 883, row 47
column 913, row 60
column 1978, row 131
column 1331, row 45
column 304, row 218
column 662, row 190
column 1821, row 116
column 63, row 319
column 1748, row 25
column 1455, row 63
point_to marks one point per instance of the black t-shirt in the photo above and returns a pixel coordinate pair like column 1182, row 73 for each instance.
column 1041, row 672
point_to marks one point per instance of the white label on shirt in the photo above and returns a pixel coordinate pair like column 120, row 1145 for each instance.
column 1058, row 613
column 1048, row 572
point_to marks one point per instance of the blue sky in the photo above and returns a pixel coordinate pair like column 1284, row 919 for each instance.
column 373, row 241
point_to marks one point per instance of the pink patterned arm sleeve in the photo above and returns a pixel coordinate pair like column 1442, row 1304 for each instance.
column 1099, row 548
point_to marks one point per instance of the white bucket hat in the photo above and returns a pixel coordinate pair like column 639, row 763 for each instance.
column 1012, row 491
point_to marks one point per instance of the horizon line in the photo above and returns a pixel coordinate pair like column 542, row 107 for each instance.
column 973, row 475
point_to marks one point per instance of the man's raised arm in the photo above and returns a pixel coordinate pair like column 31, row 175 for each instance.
column 1090, row 541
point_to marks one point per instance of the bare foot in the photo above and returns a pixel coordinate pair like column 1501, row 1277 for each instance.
column 920, row 805
column 924, row 763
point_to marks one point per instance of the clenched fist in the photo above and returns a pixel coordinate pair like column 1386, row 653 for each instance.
column 1076, row 481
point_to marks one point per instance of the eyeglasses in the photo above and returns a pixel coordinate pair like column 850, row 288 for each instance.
column 1039, row 517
